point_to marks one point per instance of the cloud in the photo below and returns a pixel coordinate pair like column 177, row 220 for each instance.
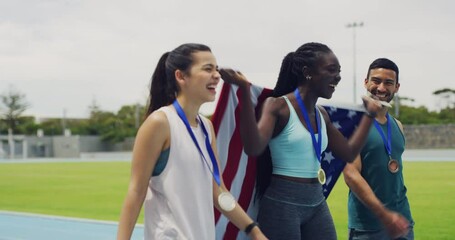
column 64, row 54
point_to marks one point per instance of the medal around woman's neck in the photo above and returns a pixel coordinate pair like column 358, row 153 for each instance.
column 321, row 176
column 317, row 145
column 225, row 199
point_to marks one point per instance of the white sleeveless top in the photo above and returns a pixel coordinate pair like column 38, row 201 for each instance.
column 179, row 201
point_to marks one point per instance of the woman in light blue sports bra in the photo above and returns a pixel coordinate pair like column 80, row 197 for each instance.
column 290, row 136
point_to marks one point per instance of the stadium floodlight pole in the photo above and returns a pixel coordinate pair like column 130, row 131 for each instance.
column 354, row 25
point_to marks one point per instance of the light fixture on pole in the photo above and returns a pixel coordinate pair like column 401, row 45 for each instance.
column 354, row 25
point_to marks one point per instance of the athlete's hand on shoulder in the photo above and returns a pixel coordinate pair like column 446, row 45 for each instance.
column 396, row 224
column 234, row 77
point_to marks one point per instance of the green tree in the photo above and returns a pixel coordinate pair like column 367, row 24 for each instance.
column 447, row 96
column 124, row 124
column 110, row 126
column 54, row 126
column 447, row 115
column 417, row 115
column 421, row 115
column 27, row 125
column 100, row 122
column 14, row 104
column 51, row 127
column 3, row 127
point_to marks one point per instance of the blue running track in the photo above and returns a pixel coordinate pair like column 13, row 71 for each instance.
column 19, row 226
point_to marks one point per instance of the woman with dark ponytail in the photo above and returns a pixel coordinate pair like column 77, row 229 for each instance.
column 175, row 170
column 293, row 132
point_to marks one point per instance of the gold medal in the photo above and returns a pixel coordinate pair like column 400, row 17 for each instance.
column 321, row 176
column 393, row 166
column 226, row 201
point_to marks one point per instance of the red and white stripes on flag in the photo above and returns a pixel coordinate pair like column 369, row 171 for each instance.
column 240, row 174
column 239, row 170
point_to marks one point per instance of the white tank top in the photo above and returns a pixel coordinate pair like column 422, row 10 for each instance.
column 179, row 202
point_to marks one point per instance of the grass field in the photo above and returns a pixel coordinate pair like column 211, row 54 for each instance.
column 96, row 190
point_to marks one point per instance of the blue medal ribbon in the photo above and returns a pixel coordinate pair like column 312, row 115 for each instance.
column 387, row 140
column 216, row 171
column 316, row 145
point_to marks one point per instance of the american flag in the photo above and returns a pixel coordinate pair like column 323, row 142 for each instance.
column 239, row 170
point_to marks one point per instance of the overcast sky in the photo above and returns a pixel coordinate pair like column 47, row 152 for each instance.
column 66, row 54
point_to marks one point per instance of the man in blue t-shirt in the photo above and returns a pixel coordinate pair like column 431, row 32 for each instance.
column 377, row 206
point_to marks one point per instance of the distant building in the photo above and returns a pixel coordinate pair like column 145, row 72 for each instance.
column 65, row 146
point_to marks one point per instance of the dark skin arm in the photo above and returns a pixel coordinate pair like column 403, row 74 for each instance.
column 346, row 149
column 256, row 136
